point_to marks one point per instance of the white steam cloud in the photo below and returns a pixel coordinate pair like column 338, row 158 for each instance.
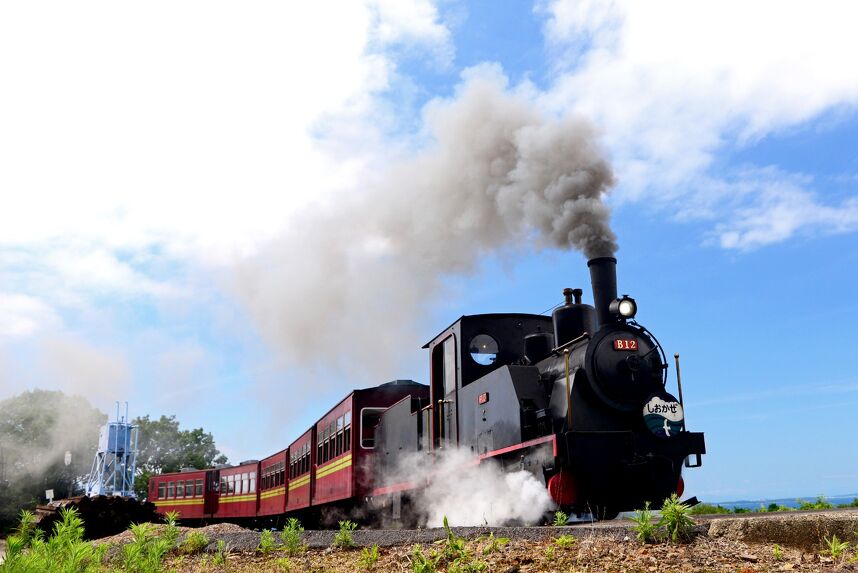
column 351, row 280
column 471, row 494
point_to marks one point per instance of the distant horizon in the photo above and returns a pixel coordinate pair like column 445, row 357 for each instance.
column 829, row 498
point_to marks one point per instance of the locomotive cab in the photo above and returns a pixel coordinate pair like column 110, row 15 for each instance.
column 469, row 369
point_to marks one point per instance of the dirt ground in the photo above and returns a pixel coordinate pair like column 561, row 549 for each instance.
column 528, row 556
column 736, row 545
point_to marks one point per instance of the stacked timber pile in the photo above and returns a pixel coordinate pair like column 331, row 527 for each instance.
column 102, row 515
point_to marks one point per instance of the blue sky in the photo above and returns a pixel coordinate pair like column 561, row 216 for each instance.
column 197, row 207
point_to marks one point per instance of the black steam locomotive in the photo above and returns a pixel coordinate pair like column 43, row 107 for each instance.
column 578, row 399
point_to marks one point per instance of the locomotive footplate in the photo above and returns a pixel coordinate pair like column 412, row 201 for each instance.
column 622, row 470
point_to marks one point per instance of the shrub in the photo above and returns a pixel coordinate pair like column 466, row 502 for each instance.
column 266, row 542
column 291, row 537
column 560, row 518
column 195, row 542
column 773, row 507
column 369, row 556
column 675, row 519
column 644, row 528
column 343, row 537
column 707, row 508
column 819, row 503
column 27, row 550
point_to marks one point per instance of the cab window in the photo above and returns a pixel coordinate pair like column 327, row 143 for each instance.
column 368, row 421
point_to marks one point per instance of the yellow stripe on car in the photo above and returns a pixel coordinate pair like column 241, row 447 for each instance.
column 163, row 502
column 274, row 492
column 300, row 482
column 334, row 467
column 237, row 498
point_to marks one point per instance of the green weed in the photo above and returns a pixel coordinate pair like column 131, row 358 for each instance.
column 777, row 552
column 560, row 518
column 369, row 556
column 467, row 566
column 283, row 564
column 221, row 553
column 266, row 542
column 454, row 548
column 147, row 550
column 194, row 543
column 675, row 519
column 343, row 537
column 493, row 544
column 565, row 541
column 549, row 552
column 836, row 547
column 291, row 537
column 644, row 528
column 423, row 562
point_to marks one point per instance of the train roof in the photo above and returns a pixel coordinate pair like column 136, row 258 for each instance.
column 487, row 316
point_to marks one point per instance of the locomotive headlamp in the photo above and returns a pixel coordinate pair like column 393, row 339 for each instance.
column 625, row 307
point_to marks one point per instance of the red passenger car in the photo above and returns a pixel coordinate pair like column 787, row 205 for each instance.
column 237, row 492
column 188, row 493
column 272, row 484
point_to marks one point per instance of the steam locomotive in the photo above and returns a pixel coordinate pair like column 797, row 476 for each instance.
column 578, row 399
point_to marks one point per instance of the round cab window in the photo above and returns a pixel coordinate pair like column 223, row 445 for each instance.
column 483, row 349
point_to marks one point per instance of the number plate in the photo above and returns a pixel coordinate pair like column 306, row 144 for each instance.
column 622, row 344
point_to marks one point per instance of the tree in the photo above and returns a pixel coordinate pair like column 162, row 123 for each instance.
column 37, row 428
column 164, row 448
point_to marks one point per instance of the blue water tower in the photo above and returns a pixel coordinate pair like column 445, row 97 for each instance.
column 116, row 459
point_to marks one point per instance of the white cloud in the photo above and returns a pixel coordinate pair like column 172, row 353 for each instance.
column 674, row 83
column 188, row 125
column 415, row 22
column 24, row 316
column 138, row 137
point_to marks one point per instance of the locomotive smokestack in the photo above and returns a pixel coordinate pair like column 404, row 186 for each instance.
column 603, row 277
